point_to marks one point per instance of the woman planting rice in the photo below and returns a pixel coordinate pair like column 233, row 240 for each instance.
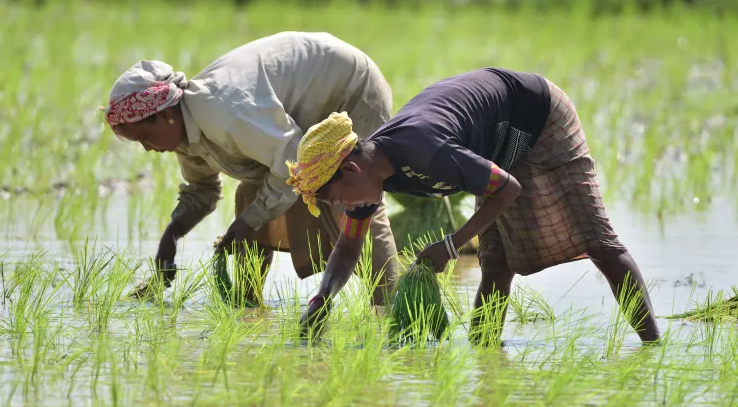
column 244, row 116
column 513, row 140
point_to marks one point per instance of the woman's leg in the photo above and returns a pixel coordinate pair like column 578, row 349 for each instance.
column 490, row 303
column 569, row 157
column 621, row 271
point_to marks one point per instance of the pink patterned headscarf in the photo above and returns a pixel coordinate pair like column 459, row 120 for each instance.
column 146, row 88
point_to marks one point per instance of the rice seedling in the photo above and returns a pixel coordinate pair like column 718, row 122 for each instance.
column 355, row 308
column 417, row 307
column 289, row 312
column 185, row 288
column 222, row 278
column 159, row 353
column 88, row 270
column 352, row 366
column 116, row 391
column 487, row 320
column 451, row 376
column 715, row 308
column 46, row 338
column 250, row 277
column 31, row 304
column 100, row 346
column 5, row 293
column 246, row 289
column 417, row 298
column 106, row 296
column 566, row 339
column 226, row 330
column 245, row 361
column 528, row 305
column 724, row 355
column 364, row 290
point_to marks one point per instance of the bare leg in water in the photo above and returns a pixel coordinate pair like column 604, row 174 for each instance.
column 615, row 265
column 490, row 304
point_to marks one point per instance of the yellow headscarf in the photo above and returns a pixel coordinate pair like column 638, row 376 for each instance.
column 319, row 154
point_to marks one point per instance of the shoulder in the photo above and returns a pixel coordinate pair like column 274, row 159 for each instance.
column 247, row 56
column 282, row 51
column 275, row 42
column 208, row 109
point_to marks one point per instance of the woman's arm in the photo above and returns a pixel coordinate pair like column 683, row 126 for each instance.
column 338, row 270
column 493, row 205
column 458, row 166
column 199, row 196
column 340, row 266
column 491, row 208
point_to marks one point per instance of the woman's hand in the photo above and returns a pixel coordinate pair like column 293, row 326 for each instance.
column 341, row 264
column 163, row 262
column 237, row 232
column 437, row 254
column 315, row 316
column 167, row 250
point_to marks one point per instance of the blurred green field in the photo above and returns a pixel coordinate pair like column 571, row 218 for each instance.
column 657, row 93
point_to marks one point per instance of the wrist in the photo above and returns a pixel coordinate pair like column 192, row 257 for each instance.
column 451, row 247
column 458, row 242
column 322, row 299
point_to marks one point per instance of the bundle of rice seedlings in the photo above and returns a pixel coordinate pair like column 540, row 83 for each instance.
column 713, row 309
column 247, row 274
column 417, row 308
column 223, row 282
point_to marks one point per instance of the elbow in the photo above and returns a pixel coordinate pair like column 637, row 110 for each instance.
column 511, row 191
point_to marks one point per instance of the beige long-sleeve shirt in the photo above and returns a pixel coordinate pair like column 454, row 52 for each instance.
column 246, row 112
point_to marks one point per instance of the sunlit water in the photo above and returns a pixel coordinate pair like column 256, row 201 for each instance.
column 683, row 257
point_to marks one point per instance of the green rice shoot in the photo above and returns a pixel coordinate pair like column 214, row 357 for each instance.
column 222, row 279
column 417, row 308
column 713, row 308
column 246, row 288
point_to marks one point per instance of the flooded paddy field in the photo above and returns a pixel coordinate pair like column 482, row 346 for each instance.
column 83, row 211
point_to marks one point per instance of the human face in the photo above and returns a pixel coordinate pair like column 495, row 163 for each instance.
column 355, row 189
column 156, row 134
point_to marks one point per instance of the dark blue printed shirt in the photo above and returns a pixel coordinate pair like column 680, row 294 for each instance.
column 446, row 139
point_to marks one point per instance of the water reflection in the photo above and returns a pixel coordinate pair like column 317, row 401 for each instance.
column 675, row 252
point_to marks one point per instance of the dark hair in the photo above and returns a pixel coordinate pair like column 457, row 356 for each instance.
column 357, row 150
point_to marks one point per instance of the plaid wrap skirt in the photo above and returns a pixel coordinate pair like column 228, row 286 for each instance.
column 559, row 216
